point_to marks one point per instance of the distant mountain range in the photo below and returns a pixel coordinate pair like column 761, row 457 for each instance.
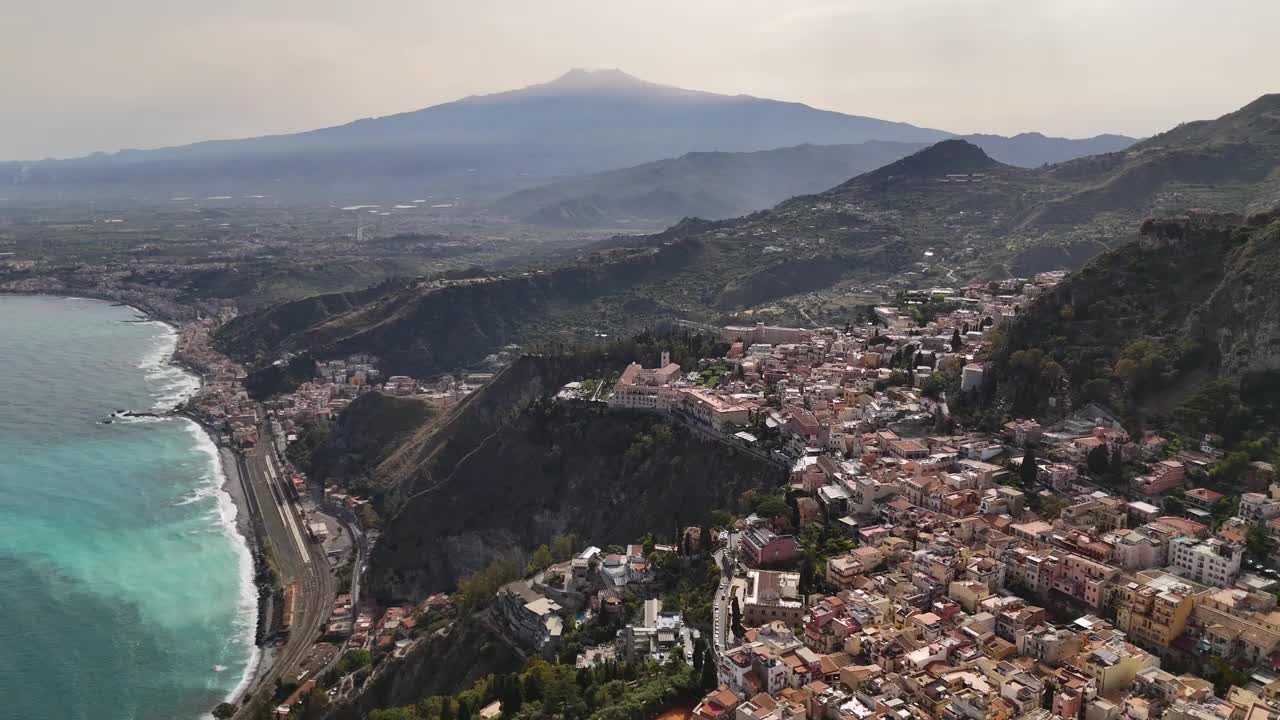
column 583, row 122
column 944, row 214
column 718, row 185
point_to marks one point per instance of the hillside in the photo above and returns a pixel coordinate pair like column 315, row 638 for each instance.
column 948, row 213
column 711, row 185
column 720, row 185
column 1178, row 329
column 601, row 475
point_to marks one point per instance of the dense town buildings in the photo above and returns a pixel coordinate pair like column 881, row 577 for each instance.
column 969, row 586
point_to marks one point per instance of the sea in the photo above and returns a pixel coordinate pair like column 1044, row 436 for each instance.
column 125, row 591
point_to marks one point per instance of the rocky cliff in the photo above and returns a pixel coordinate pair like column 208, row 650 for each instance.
column 442, row 664
column 1146, row 326
column 606, row 477
column 508, row 469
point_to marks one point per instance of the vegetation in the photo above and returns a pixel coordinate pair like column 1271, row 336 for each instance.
column 311, row 434
column 1259, row 545
column 689, row 587
column 1138, row 330
column 610, row 691
column 477, row 590
column 354, row 660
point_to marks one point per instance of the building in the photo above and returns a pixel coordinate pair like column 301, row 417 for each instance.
column 1212, row 562
column 1083, row 579
column 532, row 618
column 1165, row 476
column 711, row 410
column 1202, row 498
column 971, row 377
column 659, row 636
column 1256, row 507
column 1114, row 665
column 1051, row 646
column 772, row 596
column 1153, row 610
column 843, row 570
column 718, row 705
column 762, row 547
column 766, row 334
column 640, row 388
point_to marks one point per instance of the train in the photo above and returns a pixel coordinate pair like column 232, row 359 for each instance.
column 290, row 602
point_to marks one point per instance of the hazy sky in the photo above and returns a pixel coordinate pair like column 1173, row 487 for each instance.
column 83, row 75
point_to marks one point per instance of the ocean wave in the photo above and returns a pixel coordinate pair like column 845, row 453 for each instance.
column 172, row 384
column 135, row 420
column 200, row 493
column 247, row 606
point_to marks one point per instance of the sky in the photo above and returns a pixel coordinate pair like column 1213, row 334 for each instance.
column 84, row 75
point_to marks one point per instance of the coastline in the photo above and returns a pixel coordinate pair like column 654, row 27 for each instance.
column 235, row 510
column 232, row 495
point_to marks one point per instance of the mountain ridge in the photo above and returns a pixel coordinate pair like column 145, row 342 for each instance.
column 482, row 145
column 909, row 217
column 718, row 185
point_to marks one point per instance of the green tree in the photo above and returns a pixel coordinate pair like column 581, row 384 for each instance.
column 354, row 660
column 562, row 547
column 317, row 705
column 771, row 506
column 708, row 680
column 1259, row 544
column 956, row 342
column 807, row 572
column 541, row 560
column 1027, row 470
column 1117, row 461
column 511, row 694
column 1099, row 460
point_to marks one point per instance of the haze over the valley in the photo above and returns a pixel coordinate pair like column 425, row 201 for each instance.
column 85, row 76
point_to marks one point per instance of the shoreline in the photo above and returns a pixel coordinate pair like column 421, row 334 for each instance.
column 242, row 526
column 230, row 486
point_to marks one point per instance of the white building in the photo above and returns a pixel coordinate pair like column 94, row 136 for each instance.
column 971, row 377
column 1256, row 507
column 1211, row 562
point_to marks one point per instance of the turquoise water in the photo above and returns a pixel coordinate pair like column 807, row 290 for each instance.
column 125, row 592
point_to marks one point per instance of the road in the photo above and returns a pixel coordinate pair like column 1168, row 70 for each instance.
column 722, row 608
column 296, row 560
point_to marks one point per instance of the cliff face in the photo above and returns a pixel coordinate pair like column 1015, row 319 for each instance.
column 507, row 470
column 1147, row 324
column 603, row 476
column 1241, row 317
column 473, row 647
column 372, row 426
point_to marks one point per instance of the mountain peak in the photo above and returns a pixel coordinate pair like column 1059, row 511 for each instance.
column 594, row 79
column 1268, row 103
column 946, row 157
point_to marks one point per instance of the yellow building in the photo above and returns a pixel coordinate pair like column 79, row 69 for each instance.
column 1153, row 609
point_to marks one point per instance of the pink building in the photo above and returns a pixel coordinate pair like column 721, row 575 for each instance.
column 1165, row 476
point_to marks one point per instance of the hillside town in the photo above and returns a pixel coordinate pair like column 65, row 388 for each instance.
column 915, row 564
column 913, row 570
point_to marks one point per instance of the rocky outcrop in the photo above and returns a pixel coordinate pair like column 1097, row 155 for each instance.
column 444, row 663
column 604, row 476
